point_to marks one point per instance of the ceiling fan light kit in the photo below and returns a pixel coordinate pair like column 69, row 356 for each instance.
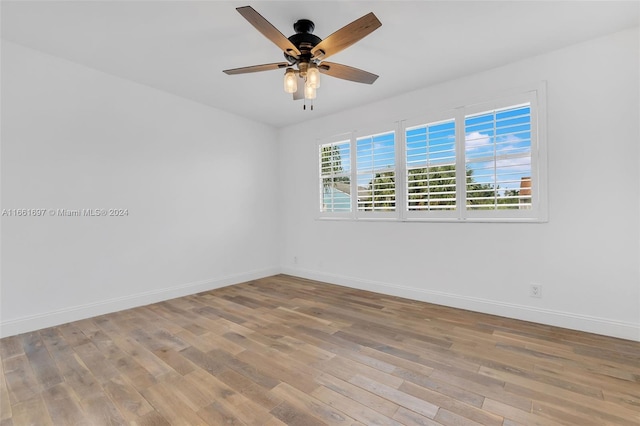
column 290, row 81
column 306, row 53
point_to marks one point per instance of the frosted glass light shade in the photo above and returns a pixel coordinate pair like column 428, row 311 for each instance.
column 309, row 92
column 290, row 81
column 313, row 76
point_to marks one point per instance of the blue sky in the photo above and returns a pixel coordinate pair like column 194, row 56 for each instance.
column 433, row 144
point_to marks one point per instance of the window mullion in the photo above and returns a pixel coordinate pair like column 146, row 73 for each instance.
column 461, row 168
column 354, row 177
column 401, row 171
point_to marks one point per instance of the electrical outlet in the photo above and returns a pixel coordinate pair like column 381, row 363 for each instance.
column 535, row 290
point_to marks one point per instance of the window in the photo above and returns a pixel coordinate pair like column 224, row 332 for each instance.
column 376, row 176
column 430, row 158
column 504, row 158
column 335, row 176
column 479, row 162
column 498, row 159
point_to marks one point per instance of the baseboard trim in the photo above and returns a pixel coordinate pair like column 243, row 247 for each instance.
column 75, row 313
column 591, row 324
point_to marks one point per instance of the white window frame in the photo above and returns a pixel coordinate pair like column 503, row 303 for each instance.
column 372, row 132
column 427, row 119
column 538, row 210
column 337, row 139
column 535, row 95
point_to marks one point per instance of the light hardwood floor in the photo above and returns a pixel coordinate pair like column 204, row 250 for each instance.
column 284, row 350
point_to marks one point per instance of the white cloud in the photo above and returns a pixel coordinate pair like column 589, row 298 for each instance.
column 515, row 164
column 476, row 140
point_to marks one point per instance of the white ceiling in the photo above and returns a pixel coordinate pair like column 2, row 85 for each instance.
column 181, row 47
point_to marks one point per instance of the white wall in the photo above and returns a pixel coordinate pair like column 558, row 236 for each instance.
column 586, row 256
column 199, row 184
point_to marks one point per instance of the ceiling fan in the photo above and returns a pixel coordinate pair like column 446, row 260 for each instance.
column 305, row 53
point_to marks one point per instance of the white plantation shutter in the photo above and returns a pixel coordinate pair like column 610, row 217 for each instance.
column 498, row 159
column 375, row 164
column 335, row 177
column 430, row 155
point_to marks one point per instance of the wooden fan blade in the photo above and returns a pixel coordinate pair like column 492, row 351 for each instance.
column 346, row 72
column 346, row 36
column 268, row 30
column 257, row 68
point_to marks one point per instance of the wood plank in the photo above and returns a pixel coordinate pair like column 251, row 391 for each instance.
column 64, row 408
column 294, row 416
column 96, row 362
column 249, row 389
column 309, row 404
column 5, row 404
column 175, row 360
column 192, row 395
column 424, row 408
column 453, row 393
column 203, row 360
column 255, row 373
column 141, row 355
column 10, row 346
column 127, row 399
column 449, row 418
column 286, row 369
column 152, row 419
column 44, row 368
column 358, row 394
column 274, row 422
column 127, row 365
column 217, row 414
column 411, row 418
column 100, row 410
column 31, row 412
column 73, row 335
column 457, row 407
column 82, row 383
column 347, row 369
column 354, row 409
column 491, row 388
column 225, row 398
column 21, row 383
column 173, row 409
column 516, row 415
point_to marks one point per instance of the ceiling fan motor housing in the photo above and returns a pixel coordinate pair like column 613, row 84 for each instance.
column 304, row 40
column 304, row 26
